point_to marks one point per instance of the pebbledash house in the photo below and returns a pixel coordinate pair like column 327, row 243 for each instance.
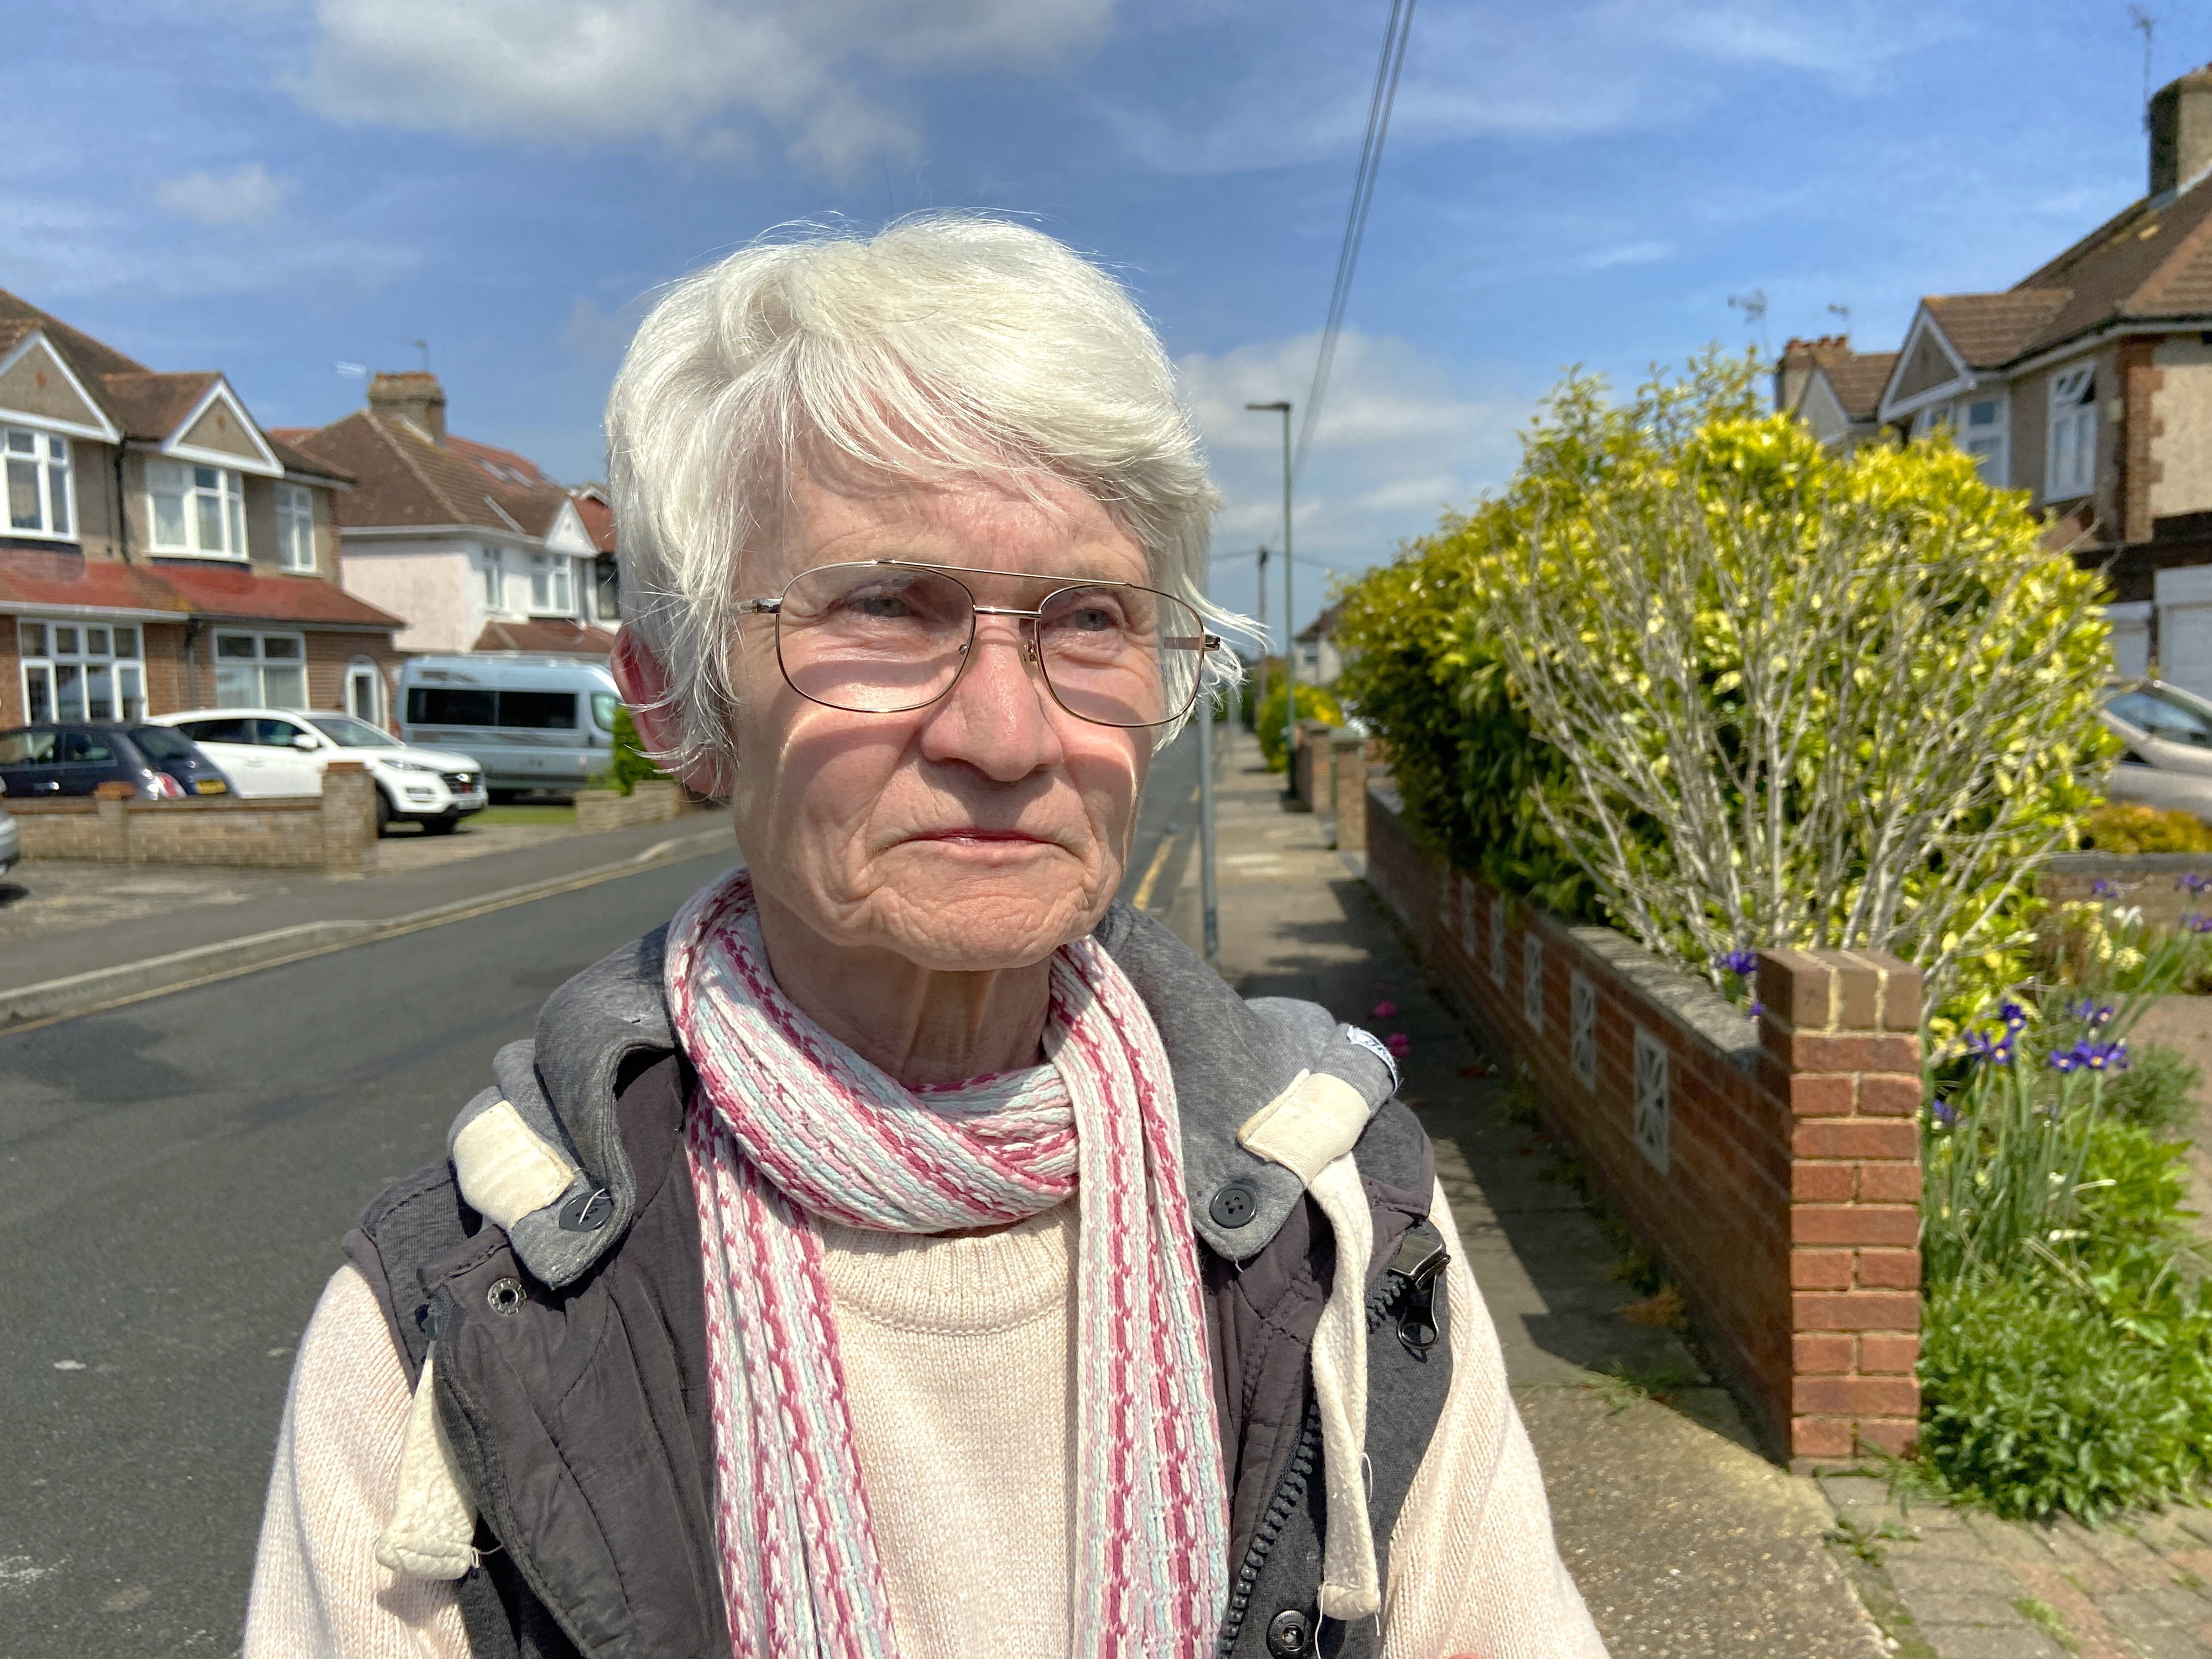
column 474, row 546
column 2088, row 384
column 160, row 550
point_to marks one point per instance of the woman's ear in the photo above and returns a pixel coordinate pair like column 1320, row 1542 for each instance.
column 644, row 686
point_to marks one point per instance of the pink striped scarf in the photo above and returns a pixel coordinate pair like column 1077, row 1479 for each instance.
column 788, row 1125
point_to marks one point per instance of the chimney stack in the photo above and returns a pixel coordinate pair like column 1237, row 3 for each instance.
column 1799, row 358
column 414, row 397
column 2180, row 132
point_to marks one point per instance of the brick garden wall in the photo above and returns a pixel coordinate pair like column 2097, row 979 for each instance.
column 334, row 832
column 1774, row 1165
column 2152, row 880
column 652, row 801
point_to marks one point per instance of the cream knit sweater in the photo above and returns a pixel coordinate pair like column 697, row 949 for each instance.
column 959, row 1365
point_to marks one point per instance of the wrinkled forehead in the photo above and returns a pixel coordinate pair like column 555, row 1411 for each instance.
column 1035, row 528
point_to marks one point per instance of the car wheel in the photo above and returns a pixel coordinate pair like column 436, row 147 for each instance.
column 502, row 796
column 383, row 814
column 442, row 826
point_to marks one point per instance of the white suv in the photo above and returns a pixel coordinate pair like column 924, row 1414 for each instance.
column 281, row 751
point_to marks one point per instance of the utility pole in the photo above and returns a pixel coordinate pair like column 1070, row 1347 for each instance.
column 1260, row 691
column 1290, row 609
column 1209, row 893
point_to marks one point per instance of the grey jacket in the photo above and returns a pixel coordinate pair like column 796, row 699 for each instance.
column 571, row 1374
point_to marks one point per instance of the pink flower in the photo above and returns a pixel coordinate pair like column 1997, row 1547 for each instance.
column 1399, row 1043
column 1386, row 1010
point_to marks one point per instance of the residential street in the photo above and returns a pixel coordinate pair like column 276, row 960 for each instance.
column 179, row 1174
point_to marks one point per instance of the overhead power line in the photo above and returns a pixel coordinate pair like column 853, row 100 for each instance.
column 1379, row 105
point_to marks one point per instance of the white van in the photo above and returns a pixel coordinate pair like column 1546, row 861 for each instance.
column 531, row 722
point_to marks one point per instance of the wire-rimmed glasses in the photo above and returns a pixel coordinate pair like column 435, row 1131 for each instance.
column 884, row 636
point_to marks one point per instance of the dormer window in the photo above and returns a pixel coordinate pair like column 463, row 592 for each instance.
column 2070, row 468
column 41, row 500
column 197, row 510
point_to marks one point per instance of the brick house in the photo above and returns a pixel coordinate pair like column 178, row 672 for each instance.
column 2088, row 385
column 1832, row 389
column 473, row 544
column 161, row 551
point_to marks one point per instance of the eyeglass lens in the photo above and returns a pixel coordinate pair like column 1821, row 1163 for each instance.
column 879, row 639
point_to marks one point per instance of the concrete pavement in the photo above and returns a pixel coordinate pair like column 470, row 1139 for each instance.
column 1688, row 1544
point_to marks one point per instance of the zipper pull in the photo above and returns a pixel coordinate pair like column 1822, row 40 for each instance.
column 1421, row 1256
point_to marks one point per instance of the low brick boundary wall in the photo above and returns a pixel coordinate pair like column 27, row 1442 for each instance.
column 1772, row 1164
column 652, row 801
column 334, row 832
column 2152, row 880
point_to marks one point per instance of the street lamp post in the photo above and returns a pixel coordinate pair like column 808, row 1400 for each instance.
column 1290, row 615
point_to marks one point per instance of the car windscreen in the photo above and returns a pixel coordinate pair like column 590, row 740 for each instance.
column 2162, row 714
column 536, row 711
column 158, row 743
column 26, row 748
column 603, row 705
column 347, row 732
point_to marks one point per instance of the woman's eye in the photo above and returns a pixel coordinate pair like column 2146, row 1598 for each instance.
column 1091, row 619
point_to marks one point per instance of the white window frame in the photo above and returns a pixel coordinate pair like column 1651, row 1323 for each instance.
column 494, row 566
column 67, row 658
column 2070, row 455
column 1988, row 442
column 296, row 527
column 361, row 671
column 44, row 461
column 195, row 489
column 552, row 584
column 256, row 667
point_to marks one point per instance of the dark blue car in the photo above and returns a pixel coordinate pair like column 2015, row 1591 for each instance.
column 40, row 762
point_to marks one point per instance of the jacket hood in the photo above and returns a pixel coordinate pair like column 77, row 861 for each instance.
column 565, row 1193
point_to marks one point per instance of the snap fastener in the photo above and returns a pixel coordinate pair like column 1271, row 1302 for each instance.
column 1234, row 1205
column 587, row 1213
column 505, row 1296
column 1290, row 1634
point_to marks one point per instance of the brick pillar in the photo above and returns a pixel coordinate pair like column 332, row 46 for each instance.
column 349, row 819
column 1841, row 1057
column 114, row 808
column 1349, row 753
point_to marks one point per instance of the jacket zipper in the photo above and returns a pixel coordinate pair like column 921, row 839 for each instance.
column 1293, row 1485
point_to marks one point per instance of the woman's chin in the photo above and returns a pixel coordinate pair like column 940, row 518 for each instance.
column 952, row 926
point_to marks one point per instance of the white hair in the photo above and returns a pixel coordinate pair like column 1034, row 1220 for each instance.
column 948, row 345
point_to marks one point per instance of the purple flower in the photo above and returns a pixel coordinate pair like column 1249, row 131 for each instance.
column 1944, row 1112
column 1386, row 1010
column 2193, row 882
column 1997, row 1051
column 2198, row 922
column 2101, row 889
column 1399, row 1043
column 1755, row 1010
column 2012, row 1015
column 1742, row 964
column 2089, row 1056
column 2087, row 1009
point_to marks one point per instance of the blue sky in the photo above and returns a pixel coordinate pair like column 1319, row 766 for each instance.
column 272, row 189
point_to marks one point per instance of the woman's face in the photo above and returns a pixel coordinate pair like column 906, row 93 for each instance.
column 979, row 832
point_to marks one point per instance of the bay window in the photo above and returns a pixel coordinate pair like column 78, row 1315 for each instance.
column 494, row 577
column 260, row 671
column 296, row 528
column 41, row 499
column 197, row 510
column 552, row 584
column 76, row 672
column 2070, row 462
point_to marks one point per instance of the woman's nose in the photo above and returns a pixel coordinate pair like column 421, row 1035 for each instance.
column 998, row 717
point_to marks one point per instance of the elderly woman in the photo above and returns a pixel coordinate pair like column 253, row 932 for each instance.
column 909, row 1250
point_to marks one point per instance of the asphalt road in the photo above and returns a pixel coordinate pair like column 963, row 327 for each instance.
column 174, row 1179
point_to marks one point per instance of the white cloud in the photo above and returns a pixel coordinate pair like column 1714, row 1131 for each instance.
column 1501, row 70
column 698, row 76
column 1398, row 442
column 1627, row 253
column 244, row 196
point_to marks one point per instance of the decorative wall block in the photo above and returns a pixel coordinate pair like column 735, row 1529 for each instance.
column 1582, row 998
column 1653, row 1100
column 1532, row 981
